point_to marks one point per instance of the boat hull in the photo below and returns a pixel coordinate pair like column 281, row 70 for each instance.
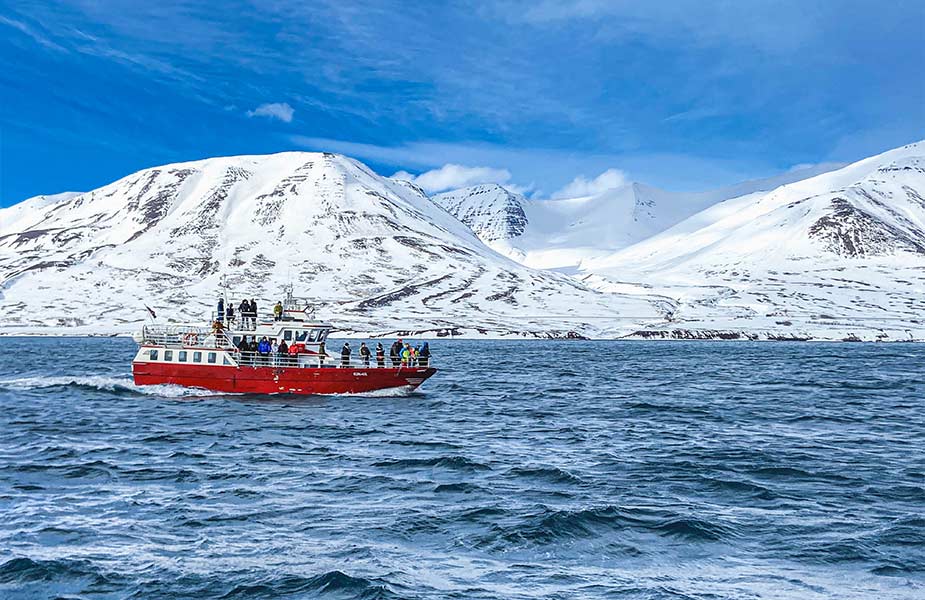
column 276, row 380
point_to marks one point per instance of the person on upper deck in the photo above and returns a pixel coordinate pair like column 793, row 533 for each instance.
column 345, row 355
column 229, row 314
column 244, row 309
column 220, row 313
column 253, row 312
column 380, row 355
column 278, row 311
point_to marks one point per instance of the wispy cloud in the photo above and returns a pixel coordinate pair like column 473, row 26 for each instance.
column 452, row 176
column 580, row 186
column 275, row 110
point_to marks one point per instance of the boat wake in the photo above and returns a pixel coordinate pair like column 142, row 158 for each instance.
column 107, row 384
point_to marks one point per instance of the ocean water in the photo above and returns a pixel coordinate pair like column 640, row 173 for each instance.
column 522, row 470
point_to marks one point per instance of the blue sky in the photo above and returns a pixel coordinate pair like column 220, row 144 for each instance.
column 684, row 95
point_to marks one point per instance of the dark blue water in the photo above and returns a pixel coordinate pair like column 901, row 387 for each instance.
column 522, row 470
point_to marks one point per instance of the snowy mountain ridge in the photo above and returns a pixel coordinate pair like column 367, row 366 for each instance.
column 845, row 249
column 562, row 233
column 374, row 255
column 839, row 255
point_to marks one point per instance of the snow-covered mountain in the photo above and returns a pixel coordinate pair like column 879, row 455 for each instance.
column 839, row 254
column 374, row 255
column 563, row 233
column 492, row 212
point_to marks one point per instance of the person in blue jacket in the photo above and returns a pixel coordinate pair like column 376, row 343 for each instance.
column 263, row 349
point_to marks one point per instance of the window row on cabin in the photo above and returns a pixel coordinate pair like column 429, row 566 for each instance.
column 311, row 335
column 184, row 356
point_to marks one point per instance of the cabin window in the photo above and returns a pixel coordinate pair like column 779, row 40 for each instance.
column 211, row 358
column 152, row 354
column 197, row 357
column 300, row 336
column 313, row 335
column 182, row 356
column 168, row 355
column 225, row 360
column 287, row 335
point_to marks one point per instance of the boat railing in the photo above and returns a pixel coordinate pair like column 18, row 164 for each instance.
column 185, row 336
column 311, row 360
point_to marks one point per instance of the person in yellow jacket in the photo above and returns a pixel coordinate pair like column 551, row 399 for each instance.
column 278, row 312
column 406, row 355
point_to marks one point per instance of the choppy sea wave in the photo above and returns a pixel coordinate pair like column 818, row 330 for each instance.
column 530, row 470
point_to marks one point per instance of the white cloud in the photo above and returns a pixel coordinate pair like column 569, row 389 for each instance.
column 452, row 176
column 608, row 180
column 275, row 110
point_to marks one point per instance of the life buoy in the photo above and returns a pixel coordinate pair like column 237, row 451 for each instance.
column 190, row 339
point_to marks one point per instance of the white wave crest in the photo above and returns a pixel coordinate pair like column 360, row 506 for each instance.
column 109, row 384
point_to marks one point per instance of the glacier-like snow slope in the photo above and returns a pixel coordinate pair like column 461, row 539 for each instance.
column 839, row 255
column 563, row 233
column 374, row 255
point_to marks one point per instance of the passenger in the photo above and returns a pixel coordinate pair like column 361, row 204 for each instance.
column 253, row 313
column 395, row 352
column 322, row 354
column 243, row 347
column 345, row 355
column 424, row 355
column 365, row 354
column 282, row 353
column 255, row 348
column 406, row 355
column 244, row 310
column 263, row 349
column 229, row 315
column 380, row 355
column 220, row 313
column 274, row 351
column 248, row 348
column 415, row 353
column 278, row 312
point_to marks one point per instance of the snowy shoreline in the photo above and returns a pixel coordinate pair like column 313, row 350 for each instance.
column 654, row 335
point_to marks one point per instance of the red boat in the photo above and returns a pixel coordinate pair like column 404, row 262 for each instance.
column 210, row 358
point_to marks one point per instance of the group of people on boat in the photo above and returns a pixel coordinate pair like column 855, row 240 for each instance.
column 247, row 310
column 269, row 352
column 400, row 354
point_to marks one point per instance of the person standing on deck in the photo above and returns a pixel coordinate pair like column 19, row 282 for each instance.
column 321, row 354
column 274, row 351
column 380, row 355
column 424, row 355
column 244, row 310
column 263, row 349
column 253, row 313
column 278, row 311
column 395, row 352
column 229, row 315
column 282, row 353
column 220, row 313
column 365, row 354
column 345, row 355
column 406, row 355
